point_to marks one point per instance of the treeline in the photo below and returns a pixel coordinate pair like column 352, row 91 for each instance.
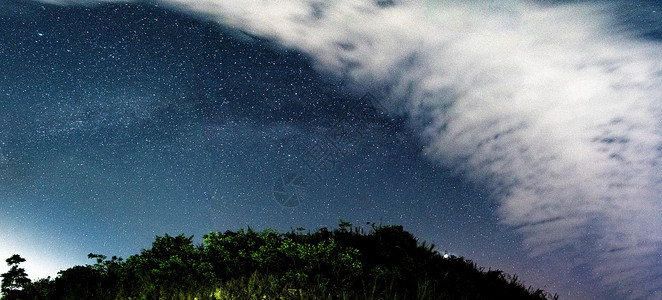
column 347, row 263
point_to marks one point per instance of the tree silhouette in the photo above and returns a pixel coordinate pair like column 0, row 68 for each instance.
column 382, row 262
column 15, row 279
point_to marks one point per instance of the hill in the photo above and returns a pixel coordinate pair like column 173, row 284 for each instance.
column 347, row 263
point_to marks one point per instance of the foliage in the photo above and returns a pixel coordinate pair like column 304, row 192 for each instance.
column 346, row 263
column 15, row 279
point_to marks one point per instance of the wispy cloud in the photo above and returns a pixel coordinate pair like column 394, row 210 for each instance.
column 555, row 108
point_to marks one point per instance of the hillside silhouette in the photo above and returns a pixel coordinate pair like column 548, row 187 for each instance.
column 347, row 263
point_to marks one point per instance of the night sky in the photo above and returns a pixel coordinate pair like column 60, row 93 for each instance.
column 120, row 122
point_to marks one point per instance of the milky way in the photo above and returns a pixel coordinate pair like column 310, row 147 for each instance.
column 508, row 127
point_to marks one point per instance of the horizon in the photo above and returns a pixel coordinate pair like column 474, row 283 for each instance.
column 524, row 136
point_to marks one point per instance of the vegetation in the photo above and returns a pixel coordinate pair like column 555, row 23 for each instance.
column 15, row 278
column 346, row 263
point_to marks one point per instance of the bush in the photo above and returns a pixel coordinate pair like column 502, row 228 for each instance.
column 347, row 263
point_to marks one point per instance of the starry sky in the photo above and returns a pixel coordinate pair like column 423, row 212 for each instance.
column 525, row 137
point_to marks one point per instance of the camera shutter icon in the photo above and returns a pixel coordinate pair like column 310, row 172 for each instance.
column 289, row 190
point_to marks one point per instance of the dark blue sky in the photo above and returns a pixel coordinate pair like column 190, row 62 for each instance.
column 122, row 122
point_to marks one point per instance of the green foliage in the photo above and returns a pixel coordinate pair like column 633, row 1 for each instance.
column 42, row 289
column 346, row 263
column 172, row 266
